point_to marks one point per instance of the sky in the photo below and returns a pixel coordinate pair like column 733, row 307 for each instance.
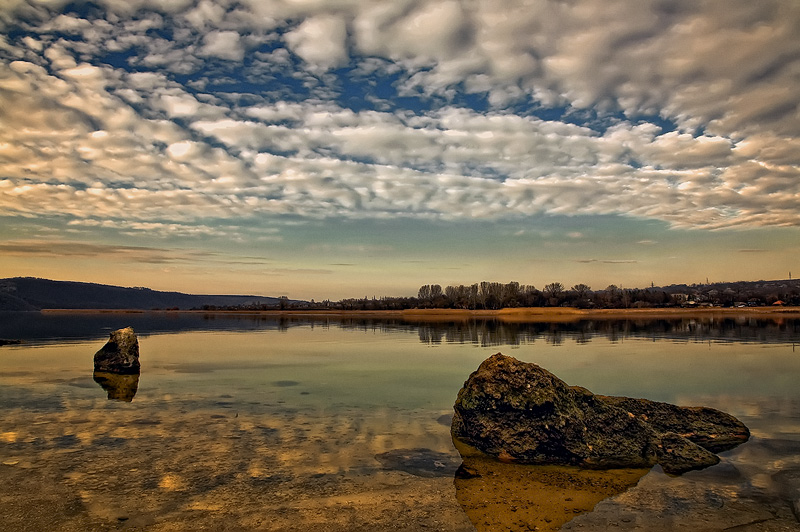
column 330, row 149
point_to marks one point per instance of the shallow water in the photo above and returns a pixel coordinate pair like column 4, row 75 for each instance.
column 262, row 424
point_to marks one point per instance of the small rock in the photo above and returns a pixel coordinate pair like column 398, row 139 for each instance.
column 420, row 462
column 6, row 341
column 120, row 354
column 465, row 473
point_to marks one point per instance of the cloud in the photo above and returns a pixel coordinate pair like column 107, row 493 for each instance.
column 429, row 30
column 440, row 109
column 169, row 230
column 61, row 248
column 222, row 44
column 320, row 41
column 295, row 271
column 206, row 14
column 608, row 261
column 350, row 249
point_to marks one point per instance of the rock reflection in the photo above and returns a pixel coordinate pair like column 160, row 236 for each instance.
column 502, row 496
column 757, row 487
column 119, row 387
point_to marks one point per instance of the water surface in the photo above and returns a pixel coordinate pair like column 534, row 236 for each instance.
column 254, row 423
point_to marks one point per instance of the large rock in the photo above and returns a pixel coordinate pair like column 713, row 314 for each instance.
column 707, row 427
column 120, row 354
column 521, row 412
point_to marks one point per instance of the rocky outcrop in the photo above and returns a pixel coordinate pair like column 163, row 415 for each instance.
column 120, row 354
column 521, row 412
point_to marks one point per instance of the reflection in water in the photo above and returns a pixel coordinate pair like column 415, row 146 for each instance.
column 119, row 387
column 496, row 332
column 501, row 496
column 35, row 327
column 757, row 487
column 235, row 447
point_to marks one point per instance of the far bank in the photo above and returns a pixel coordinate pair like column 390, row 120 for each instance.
column 520, row 314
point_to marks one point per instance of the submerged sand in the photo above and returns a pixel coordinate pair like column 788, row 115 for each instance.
column 110, row 466
column 115, row 467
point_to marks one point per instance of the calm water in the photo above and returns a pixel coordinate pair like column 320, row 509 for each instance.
column 252, row 423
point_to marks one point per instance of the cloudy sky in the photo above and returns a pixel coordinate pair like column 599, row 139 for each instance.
column 350, row 148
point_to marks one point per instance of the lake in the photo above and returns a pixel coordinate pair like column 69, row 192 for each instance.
column 250, row 422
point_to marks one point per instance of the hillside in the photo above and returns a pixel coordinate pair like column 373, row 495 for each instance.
column 28, row 293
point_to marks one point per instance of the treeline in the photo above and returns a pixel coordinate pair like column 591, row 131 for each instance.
column 493, row 295
column 27, row 293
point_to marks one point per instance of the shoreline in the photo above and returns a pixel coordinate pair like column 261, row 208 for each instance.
column 517, row 315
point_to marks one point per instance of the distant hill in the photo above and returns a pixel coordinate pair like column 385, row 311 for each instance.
column 29, row 293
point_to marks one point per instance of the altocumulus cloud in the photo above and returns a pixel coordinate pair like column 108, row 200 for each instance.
column 136, row 254
column 155, row 116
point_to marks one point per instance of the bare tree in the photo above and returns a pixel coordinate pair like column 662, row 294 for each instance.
column 424, row 293
column 511, row 294
column 473, row 296
column 436, row 292
column 581, row 290
column 553, row 291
